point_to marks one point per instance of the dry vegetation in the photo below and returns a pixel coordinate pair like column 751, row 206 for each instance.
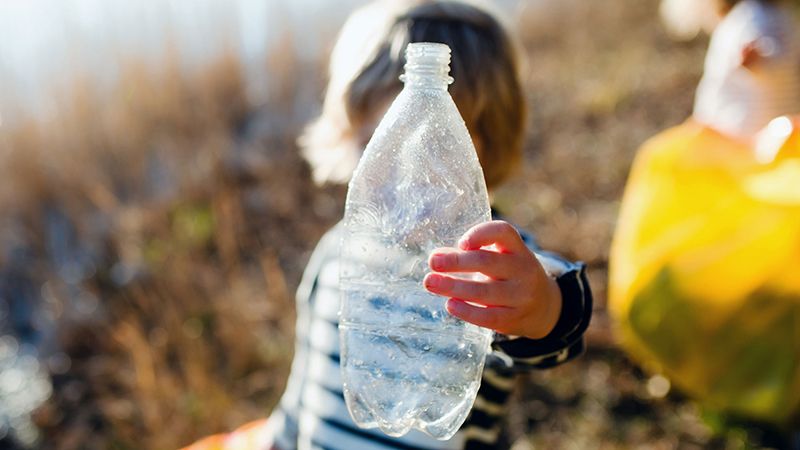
column 186, row 211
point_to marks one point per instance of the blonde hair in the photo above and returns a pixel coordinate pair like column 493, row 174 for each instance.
column 368, row 59
column 685, row 19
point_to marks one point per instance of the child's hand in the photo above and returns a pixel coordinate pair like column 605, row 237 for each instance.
column 515, row 297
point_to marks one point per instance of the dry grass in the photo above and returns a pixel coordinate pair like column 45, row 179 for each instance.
column 185, row 212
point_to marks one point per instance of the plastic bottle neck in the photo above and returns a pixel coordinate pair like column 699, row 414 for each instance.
column 427, row 66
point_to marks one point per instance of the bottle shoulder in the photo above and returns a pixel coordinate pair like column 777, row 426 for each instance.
column 426, row 114
column 421, row 159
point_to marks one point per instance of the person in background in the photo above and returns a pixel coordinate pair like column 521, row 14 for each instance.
column 701, row 278
column 546, row 300
column 752, row 68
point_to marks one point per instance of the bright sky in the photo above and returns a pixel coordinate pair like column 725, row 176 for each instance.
column 44, row 41
column 47, row 42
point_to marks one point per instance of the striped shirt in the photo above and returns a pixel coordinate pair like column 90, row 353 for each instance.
column 312, row 412
column 739, row 101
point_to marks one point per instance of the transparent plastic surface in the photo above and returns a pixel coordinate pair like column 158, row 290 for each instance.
column 406, row 362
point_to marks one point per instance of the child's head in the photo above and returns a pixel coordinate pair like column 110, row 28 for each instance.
column 684, row 19
column 724, row 6
column 368, row 60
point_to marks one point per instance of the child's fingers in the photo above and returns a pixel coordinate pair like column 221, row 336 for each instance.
column 495, row 318
column 497, row 232
column 493, row 264
column 494, row 293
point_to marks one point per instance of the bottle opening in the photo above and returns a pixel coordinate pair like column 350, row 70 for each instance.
column 427, row 63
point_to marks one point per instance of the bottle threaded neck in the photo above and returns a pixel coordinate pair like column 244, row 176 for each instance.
column 427, row 65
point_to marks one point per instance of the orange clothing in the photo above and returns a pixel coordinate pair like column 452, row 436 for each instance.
column 252, row 436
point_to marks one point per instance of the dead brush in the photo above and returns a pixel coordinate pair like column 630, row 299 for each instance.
column 190, row 246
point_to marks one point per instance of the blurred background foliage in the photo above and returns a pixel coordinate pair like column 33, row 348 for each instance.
column 152, row 234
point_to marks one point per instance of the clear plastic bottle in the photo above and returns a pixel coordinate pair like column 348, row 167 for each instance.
column 406, row 362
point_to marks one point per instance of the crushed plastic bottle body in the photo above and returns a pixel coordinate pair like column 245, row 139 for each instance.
column 406, row 362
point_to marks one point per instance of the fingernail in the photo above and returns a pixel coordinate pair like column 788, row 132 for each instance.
column 433, row 281
column 438, row 261
column 453, row 307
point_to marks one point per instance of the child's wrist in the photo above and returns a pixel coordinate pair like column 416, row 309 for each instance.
column 555, row 303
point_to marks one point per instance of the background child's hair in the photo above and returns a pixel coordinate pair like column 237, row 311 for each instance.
column 487, row 89
column 685, row 19
column 728, row 4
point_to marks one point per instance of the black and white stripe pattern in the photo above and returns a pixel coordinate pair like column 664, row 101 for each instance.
column 312, row 413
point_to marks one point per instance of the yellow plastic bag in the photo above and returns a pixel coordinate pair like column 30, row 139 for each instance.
column 705, row 269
